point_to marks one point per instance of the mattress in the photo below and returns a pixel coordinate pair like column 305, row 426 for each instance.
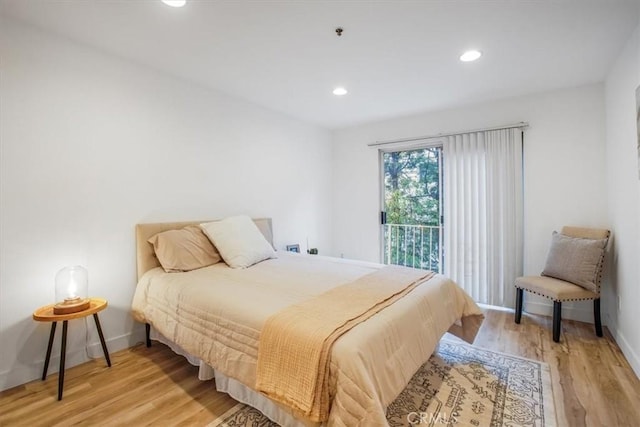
column 217, row 313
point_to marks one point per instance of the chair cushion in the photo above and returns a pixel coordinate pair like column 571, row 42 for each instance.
column 575, row 260
column 556, row 289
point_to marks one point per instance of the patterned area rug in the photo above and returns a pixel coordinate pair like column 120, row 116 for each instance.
column 460, row 385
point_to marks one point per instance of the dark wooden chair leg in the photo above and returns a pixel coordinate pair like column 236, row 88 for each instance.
column 147, row 328
column 596, row 316
column 52, row 334
column 557, row 314
column 519, row 294
column 104, row 345
column 63, row 353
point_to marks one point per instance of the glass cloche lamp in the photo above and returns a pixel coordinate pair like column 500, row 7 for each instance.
column 72, row 286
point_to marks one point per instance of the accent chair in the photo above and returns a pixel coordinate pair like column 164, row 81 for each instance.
column 573, row 272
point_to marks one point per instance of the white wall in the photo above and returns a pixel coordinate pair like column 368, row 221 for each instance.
column 92, row 145
column 564, row 168
column 623, row 185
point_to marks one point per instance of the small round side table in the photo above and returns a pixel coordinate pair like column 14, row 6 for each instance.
column 45, row 314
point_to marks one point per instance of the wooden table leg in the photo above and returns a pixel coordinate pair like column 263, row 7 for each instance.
column 63, row 353
column 104, row 345
column 48, row 358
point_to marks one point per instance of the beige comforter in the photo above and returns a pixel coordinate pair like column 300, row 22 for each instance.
column 217, row 314
column 295, row 343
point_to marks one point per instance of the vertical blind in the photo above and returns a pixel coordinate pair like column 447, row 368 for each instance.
column 483, row 213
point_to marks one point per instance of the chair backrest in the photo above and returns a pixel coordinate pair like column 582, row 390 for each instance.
column 586, row 233
column 593, row 234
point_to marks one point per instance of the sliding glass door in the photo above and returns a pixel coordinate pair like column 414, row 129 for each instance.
column 411, row 213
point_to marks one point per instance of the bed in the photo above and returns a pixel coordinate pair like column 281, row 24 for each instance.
column 215, row 315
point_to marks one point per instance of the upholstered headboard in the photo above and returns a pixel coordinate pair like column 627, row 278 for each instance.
column 146, row 257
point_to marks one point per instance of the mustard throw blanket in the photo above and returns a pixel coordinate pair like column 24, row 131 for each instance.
column 295, row 344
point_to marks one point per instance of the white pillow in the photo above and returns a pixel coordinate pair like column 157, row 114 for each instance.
column 239, row 241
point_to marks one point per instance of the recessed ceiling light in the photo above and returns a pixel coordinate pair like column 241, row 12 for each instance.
column 470, row 55
column 175, row 3
column 339, row 91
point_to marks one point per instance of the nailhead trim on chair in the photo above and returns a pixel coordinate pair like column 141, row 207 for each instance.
column 560, row 300
column 599, row 277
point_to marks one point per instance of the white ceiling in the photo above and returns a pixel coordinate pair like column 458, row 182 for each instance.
column 395, row 57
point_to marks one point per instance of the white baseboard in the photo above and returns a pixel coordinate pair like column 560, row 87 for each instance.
column 25, row 373
column 116, row 343
column 582, row 312
column 632, row 357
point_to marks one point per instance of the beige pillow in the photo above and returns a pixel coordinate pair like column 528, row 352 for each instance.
column 240, row 242
column 184, row 250
column 575, row 260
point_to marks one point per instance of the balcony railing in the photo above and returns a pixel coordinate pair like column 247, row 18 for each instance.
column 417, row 246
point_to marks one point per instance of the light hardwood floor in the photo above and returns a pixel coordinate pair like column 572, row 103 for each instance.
column 593, row 384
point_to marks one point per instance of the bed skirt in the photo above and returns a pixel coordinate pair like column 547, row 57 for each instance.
column 232, row 387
